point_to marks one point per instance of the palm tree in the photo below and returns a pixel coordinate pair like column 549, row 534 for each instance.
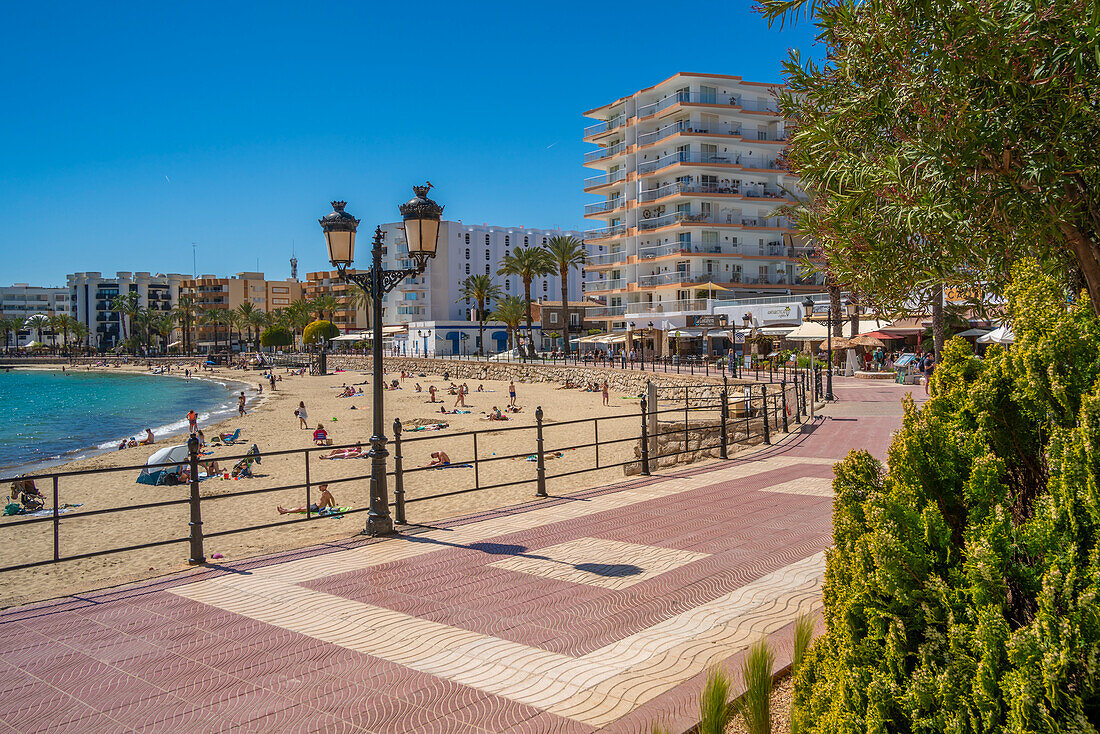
column 185, row 314
column 244, row 316
column 10, row 327
column 298, row 315
column 80, row 331
column 509, row 312
column 53, row 325
column 64, row 323
column 161, row 323
column 527, row 263
column 482, row 290
column 37, row 322
column 256, row 323
column 323, row 304
column 565, row 252
column 211, row 317
column 126, row 306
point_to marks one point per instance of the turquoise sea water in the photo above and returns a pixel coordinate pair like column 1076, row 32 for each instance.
column 47, row 416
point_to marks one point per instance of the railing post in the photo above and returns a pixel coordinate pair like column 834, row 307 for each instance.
column 783, row 392
column 541, row 483
column 797, row 399
column 722, row 451
column 764, row 413
column 645, row 440
column 197, row 555
column 398, row 475
column 307, row 484
column 56, row 521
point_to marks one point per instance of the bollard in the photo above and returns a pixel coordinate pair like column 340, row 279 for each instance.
column 722, row 451
column 645, row 441
column 797, row 400
column 398, row 475
column 783, row 392
column 764, row 413
column 197, row 555
column 541, row 471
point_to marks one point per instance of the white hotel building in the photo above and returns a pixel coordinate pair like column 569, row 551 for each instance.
column 690, row 178
column 429, row 307
column 91, row 295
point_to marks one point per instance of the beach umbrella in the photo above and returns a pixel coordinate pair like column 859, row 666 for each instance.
column 865, row 340
column 1000, row 335
column 155, row 471
column 839, row 342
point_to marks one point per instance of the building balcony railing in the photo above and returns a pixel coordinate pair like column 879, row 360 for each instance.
column 604, row 179
column 711, row 98
column 602, row 233
column 685, row 188
column 663, row 279
column 685, row 126
column 677, row 306
column 604, row 206
column 604, row 285
column 597, row 312
column 604, row 127
column 602, row 153
column 672, row 159
column 609, row 258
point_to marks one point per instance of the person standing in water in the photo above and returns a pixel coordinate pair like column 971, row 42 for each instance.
column 240, row 403
column 192, row 421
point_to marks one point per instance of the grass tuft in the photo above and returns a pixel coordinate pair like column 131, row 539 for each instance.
column 755, row 704
column 714, row 713
column 803, row 636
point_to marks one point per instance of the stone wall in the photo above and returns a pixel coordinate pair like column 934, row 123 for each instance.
column 702, row 440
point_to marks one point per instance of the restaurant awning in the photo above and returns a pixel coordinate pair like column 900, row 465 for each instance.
column 361, row 336
column 386, row 330
column 1000, row 335
column 686, row 333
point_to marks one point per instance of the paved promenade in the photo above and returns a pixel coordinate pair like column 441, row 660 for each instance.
column 597, row 611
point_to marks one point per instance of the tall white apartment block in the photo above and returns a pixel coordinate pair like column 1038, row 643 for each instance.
column 463, row 250
column 91, row 294
column 691, row 175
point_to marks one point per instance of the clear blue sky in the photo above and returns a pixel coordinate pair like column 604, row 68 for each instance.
column 131, row 130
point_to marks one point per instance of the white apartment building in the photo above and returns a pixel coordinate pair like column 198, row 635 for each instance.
column 91, row 294
column 690, row 179
column 430, row 303
column 21, row 300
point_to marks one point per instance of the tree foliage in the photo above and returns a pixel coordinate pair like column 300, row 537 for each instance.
column 318, row 330
column 276, row 336
column 961, row 592
column 944, row 140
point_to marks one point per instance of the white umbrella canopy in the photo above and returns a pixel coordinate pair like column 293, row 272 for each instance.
column 973, row 333
column 1000, row 335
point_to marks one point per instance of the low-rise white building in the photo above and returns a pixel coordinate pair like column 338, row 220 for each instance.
column 91, row 295
column 22, row 300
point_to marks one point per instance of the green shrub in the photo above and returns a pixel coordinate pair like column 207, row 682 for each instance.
column 276, row 336
column 961, row 591
column 318, row 330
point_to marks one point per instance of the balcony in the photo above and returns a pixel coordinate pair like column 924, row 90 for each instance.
column 604, row 206
column 604, row 285
column 604, row 179
column 602, row 233
column 647, row 307
column 605, row 127
column 706, row 159
column 609, row 258
column 647, row 281
column 710, row 98
column 602, row 153
column 685, row 188
column 599, row 312
column 684, row 126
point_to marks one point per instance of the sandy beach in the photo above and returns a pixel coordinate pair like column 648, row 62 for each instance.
column 271, row 424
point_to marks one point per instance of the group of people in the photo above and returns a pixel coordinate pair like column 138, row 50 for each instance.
column 133, row 442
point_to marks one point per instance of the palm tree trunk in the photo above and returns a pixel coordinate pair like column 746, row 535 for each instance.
column 855, row 322
column 564, row 273
column 938, row 335
column 530, row 336
column 834, row 304
column 481, row 327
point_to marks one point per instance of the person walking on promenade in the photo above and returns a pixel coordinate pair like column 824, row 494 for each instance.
column 928, row 365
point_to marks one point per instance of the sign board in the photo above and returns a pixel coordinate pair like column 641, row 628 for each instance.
column 710, row 322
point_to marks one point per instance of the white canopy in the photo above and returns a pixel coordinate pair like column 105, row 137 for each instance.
column 175, row 344
column 973, row 333
column 686, row 333
column 351, row 337
column 394, row 329
column 813, row 331
column 1000, row 335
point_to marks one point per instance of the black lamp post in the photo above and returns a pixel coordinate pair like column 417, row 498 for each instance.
column 424, row 335
column 421, row 218
column 808, row 304
column 464, row 336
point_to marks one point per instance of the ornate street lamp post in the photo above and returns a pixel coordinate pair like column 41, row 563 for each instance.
column 808, row 304
column 424, row 335
column 421, row 218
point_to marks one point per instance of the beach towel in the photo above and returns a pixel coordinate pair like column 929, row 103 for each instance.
column 453, row 466
column 429, row 427
column 551, row 455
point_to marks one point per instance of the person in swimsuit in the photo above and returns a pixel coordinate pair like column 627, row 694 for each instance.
column 240, row 403
column 326, row 500
column 192, row 421
column 605, row 395
column 440, row 458
column 148, row 440
column 511, row 392
column 353, row 453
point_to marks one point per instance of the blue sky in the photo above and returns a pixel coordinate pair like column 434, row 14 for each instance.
column 132, row 130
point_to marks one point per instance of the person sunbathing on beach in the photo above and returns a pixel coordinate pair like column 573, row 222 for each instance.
column 431, row 394
column 440, row 458
column 418, row 388
column 148, row 440
column 481, row 388
column 395, row 385
column 495, row 415
column 353, row 453
column 320, row 436
column 514, row 408
column 326, row 500
column 26, row 494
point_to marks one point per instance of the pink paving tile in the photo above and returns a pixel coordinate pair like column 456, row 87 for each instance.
column 58, row 713
column 154, row 712
column 494, row 714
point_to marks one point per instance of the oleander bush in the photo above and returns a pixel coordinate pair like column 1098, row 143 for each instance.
column 961, row 592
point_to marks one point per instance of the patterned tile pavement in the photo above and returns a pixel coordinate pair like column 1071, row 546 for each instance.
column 602, row 611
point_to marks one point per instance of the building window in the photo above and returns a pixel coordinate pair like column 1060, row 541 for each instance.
column 573, row 319
column 486, row 268
column 467, row 238
column 467, row 301
column 467, row 268
column 525, row 242
column 467, row 314
column 486, row 254
column 507, row 285
column 467, row 253
column 544, row 286
column 486, row 240
column 553, row 317
column 506, row 239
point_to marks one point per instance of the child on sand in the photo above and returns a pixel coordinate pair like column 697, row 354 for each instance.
column 301, row 413
column 320, row 436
